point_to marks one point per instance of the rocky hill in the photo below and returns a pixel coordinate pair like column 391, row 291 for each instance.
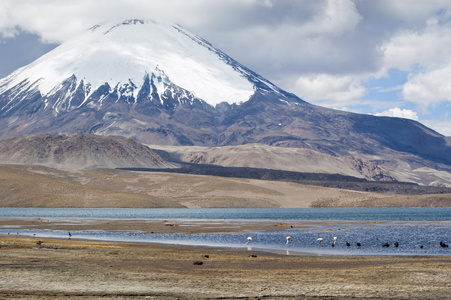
column 79, row 151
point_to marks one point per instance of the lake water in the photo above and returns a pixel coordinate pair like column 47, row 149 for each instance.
column 418, row 231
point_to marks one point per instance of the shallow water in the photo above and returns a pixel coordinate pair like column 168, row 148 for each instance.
column 417, row 231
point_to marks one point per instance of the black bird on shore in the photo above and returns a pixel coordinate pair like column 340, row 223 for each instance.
column 443, row 245
column 385, row 245
column 396, row 244
column 348, row 245
column 358, row 245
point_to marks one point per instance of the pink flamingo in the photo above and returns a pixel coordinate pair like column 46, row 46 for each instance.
column 288, row 240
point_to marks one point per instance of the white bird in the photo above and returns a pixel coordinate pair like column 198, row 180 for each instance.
column 320, row 240
column 288, row 239
column 335, row 240
column 249, row 239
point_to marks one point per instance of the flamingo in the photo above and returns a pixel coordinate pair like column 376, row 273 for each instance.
column 320, row 240
column 288, row 240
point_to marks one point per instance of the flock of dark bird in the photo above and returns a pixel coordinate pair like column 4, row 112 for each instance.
column 443, row 245
column 387, row 245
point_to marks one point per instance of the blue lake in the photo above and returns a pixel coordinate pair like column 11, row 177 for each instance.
column 361, row 214
column 418, row 231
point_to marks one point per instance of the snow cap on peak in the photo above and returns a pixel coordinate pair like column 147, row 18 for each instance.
column 117, row 53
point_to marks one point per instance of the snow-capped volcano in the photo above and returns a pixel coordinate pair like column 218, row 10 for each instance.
column 133, row 58
column 160, row 84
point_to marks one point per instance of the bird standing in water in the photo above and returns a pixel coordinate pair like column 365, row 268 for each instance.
column 320, row 240
column 288, row 240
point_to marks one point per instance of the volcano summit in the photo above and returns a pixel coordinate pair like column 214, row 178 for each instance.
column 161, row 84
column 115, row 76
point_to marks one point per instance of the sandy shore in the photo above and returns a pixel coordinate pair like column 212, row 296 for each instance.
column 59, row 268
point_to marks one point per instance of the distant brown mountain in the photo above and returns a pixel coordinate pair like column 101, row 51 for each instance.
column 79, row 151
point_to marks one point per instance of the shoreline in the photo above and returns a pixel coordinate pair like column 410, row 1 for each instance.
column 58, row 268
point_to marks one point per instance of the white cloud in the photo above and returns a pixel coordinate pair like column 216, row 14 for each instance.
column 429, row 87
column 304, row 37
column 412, row 48
column 338, row 17
column 288, row 32
column 399, row 113
column 413, row 13
column 329, row 90
column 8, row 33
column 424, row 52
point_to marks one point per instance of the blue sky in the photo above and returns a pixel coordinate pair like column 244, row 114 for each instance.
column 380, row 57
